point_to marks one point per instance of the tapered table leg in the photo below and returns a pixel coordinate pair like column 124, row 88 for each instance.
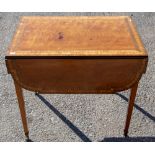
column 21, row 103
column 130, row 108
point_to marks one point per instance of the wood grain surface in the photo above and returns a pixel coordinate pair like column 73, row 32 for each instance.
column 76, row 54
column 76, row 36
column 76, row 75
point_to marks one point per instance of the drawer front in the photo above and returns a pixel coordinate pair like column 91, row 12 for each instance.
column 76, row 75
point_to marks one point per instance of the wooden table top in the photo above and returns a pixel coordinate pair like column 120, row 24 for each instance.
column 76, row 36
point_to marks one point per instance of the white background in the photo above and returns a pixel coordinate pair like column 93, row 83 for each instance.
column 77, row 5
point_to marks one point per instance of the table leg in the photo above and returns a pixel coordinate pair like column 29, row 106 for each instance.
column 130, row 108
column 21, row 103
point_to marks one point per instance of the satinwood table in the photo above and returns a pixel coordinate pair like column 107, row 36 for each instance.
column 76, row 54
